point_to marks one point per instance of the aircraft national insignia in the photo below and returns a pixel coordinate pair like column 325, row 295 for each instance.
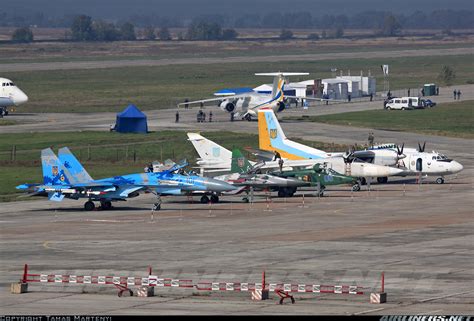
column 62, row 178
column 240, row 162
column 55, row 170
column 273, row 133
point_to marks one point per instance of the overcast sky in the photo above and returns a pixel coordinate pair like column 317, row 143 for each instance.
column 113, row 9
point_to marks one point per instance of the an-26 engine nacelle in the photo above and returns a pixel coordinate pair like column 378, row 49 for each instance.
column 227, row 106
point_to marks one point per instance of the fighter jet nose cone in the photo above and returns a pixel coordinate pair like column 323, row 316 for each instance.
column 216, row 185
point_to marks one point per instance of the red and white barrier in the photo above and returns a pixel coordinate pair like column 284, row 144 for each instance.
column 124, row 282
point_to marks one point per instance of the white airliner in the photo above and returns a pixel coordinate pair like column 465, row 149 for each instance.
column 10, row 95
column 246, row 105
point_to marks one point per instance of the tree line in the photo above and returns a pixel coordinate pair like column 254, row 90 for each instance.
column 369, row 19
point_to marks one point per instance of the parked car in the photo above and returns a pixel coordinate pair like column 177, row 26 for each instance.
column 429, row 103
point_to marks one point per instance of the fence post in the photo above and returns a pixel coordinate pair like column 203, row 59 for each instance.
column 13, row 153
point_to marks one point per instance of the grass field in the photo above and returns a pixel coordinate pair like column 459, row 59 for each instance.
column 106, row 154
column 164, row 86
column 120, row 50
column 448, row 119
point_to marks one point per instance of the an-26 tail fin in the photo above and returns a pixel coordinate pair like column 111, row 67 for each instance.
column 272, row 138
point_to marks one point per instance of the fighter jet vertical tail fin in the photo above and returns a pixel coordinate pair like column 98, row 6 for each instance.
column 240, row 163
column 53, row 172
column 207, row 149
column 71, row 163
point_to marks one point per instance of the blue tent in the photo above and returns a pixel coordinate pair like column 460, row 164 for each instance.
column 131, row 120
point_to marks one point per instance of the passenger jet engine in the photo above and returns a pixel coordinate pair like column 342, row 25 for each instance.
column 227, row 106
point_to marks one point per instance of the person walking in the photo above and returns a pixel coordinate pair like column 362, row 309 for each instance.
column 177, row 117
column 371, row 139
column 454, row 94
column 371, row 96
column 186, row 105
column 232, row 116
column 437, row 91
column 459, row 94
column 210, row 116
column 408, row 92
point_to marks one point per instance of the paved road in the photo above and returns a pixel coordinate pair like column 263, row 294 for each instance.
column 421, row 238
column 15, row 67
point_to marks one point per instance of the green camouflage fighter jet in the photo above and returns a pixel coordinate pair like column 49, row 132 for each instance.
column 320, row 176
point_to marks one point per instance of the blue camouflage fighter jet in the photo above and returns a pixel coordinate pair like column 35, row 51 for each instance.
column 65, row 177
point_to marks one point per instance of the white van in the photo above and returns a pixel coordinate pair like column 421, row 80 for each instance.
column 404, row 103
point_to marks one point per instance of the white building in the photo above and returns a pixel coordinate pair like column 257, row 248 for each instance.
column 335, row 88
column 360, row 86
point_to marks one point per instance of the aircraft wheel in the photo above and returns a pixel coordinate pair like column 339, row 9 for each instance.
column 214, row 199
column 248, row 117
column 355, row 187
column 156, row 206
column 440, row 180
column 363, row 181
column 245, row 199
column 89, row 206
column 403, row 108
column 204, row 199
column 107, row 205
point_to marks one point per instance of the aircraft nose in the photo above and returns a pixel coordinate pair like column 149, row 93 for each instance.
column 456, row 167
column 20, row 97
column 216, row 185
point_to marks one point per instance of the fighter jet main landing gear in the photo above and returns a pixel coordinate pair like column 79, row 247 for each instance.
column 440, row 180
column 248, row 117
column 286, row 191
column 205, row 199
column 356, row 187
column 3, row 111
column 89, row 206
column 106, row 205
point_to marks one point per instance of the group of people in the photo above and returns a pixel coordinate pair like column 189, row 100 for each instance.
column 457, row 93
column 201, row 116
